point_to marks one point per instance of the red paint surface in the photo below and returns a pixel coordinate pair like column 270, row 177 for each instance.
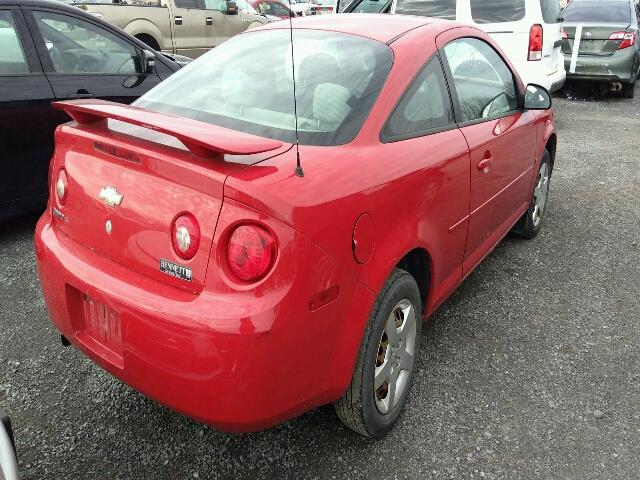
column 246, row 355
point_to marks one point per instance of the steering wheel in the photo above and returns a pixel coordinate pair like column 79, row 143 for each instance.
column 473, row 68
column 86, row 64
column 130, row 59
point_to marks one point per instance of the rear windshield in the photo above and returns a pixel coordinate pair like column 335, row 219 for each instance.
column 598, row 12
column 497, row 11
column 247, row 85
column 445, row 9
column 550, row 10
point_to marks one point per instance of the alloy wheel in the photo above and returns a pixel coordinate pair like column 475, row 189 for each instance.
column 540, row 194
column 394, row 363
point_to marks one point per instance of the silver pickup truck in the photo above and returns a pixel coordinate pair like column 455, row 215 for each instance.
column 183, row 27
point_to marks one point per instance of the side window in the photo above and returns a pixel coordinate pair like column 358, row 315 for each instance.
column 485, row 85
column 368, row 6
column 12, row 58
column 550, row 10
column 497, row 11
column 425, row 106
column 77, row 46
column 445, row 9
column 193, row 4
column 279, row 10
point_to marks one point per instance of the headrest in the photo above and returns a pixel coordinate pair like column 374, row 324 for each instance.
column 330, row 105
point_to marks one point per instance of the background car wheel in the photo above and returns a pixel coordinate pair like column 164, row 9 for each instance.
column 629, row 90
column 531, row 222
column 384, row 370
column 149, row 40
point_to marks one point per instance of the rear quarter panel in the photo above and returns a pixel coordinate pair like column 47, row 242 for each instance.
column 414, row 190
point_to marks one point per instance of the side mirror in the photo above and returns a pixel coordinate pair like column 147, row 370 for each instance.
column 537, row 98
column 148, row 61
column 232, row 8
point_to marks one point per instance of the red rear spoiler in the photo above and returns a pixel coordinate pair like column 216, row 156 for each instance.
column 203, row 139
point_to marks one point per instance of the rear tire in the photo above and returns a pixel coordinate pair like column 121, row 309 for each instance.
column 531, row 222
column 629, row 89
column 387, row 358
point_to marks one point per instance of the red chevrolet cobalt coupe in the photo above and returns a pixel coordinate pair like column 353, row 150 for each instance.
column 185, row 253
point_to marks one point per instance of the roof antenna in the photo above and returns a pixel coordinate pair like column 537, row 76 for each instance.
column 299, row 171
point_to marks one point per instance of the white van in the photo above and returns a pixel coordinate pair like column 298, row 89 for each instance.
column 528, row 31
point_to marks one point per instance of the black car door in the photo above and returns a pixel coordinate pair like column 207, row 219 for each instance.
column 27, row 121
column 84, row 58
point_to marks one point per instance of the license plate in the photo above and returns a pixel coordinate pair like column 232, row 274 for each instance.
column 102, row 324
column 590, row 45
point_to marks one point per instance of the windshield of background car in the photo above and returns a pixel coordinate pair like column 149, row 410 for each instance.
column 248, row 88
column 445, row 9
column 598, row 12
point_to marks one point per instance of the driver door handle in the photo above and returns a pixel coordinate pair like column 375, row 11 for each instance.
column 81, row 95
column 209, row 21
column 485, row 163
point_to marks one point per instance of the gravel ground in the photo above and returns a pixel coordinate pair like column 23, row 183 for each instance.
column 530, row 370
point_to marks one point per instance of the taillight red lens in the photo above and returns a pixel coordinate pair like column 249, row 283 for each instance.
column 626, row 39
column 535, row 43
column 62, row 187
column 185, row 236
column 251, row 252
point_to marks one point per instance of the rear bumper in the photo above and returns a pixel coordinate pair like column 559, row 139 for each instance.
column 237, row 361
column 619, row 67
column 534, row 72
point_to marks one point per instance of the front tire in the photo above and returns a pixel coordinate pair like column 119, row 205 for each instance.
column 531, row 222
column 384, row 370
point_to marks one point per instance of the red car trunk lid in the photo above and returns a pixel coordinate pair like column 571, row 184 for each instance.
column 154, row 184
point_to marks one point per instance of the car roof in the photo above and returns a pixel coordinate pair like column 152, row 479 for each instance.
column 382, row 27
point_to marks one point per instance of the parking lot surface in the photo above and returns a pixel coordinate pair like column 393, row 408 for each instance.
column 531, row 370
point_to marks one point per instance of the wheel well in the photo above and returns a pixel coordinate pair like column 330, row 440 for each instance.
column 148, row 40
column 416, row 262
column 551, row 148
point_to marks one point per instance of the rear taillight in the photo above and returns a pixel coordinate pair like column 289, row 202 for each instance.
column 626, row 39
column 62, row 187
column 185, row 236
column 535, row 43
column 251, row 252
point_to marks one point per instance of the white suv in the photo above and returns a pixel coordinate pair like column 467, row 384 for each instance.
column 528, row 31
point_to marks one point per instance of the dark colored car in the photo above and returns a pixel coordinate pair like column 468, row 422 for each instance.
column 600, row 42
column 51, row 51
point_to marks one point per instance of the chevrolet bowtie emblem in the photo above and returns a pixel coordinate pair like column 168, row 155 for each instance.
column 110, row 196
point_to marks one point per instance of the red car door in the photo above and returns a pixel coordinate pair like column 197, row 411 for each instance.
column 501, row 141
column 422, row 128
